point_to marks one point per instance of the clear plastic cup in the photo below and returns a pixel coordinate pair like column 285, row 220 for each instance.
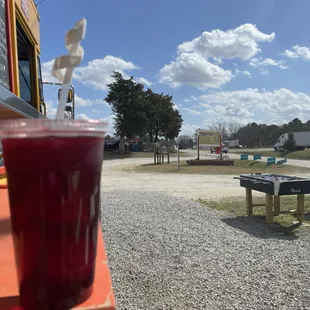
column 53, row 171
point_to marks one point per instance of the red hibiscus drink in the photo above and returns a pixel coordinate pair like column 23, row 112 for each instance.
column 53, row 171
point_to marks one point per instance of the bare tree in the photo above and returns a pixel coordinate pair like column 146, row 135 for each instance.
column 233, row 129
column 222, row 128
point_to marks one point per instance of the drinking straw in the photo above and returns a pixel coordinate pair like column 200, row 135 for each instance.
column 64, row 65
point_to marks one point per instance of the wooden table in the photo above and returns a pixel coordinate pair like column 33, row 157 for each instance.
column 102, row 297
column 273, row 206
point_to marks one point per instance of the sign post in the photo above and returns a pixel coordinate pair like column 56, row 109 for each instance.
column 178, row 157
column 221, row 146
column 198, row 152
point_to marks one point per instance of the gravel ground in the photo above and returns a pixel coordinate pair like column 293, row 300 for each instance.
column 172, row 253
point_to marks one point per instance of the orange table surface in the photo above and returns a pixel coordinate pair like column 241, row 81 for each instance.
column 102, row 297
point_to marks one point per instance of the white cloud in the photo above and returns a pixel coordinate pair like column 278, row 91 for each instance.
column 108, row 120
column 81, row 102
column 192, row 69
column 243, row 72
column 144, row 81
column 83, row 117
column 263, row 71
column 191, row 99
column 193, row 65
column 241, row 42
column 46, row 69
column 297, row 51
column 50, row 108
column 253, row 105
column 188, row 129
column 266, row 62
column 247, row 73
column 97, row 73
column 217, row 60
column 191, row 111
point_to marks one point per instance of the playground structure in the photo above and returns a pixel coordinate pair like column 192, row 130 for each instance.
column 159, row 155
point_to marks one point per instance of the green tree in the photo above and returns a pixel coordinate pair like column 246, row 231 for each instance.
column 185, row 142
column 127, row 101
column 163, row 120
column 253, row 135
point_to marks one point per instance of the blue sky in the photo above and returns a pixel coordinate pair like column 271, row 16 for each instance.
column 223, row 61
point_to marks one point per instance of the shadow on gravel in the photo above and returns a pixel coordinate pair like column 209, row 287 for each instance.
column 256, row 226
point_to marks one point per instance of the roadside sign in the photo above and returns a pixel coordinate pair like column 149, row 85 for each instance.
column 283, row 161
column 244, row 157
column 208, row 138
column 271, row 161
column 257, row 156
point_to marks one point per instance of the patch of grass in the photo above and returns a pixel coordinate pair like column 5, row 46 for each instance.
column 283, row 223
column 301, row 155
column 108, row 155
column 304, row 155
column 115, row 155
column 240, row 167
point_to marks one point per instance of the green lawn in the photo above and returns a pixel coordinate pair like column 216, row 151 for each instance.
column 240, row 167
column 302, row 155
column 282, row 223
column 115, row 155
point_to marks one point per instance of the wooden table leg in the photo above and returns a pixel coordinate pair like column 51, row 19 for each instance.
column 249, row 201
column 276, row 205
column 300, row 207
column 269, row 209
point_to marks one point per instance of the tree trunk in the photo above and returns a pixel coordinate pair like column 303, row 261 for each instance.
column 151, row 138
column 121, row 147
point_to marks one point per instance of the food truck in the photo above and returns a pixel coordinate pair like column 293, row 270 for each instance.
column 21, row 96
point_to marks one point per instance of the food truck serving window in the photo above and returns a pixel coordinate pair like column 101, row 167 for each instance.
column 4, row 54
column 25, row 58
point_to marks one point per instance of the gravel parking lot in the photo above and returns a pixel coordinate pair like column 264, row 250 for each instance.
column 166, row 251
column 181, row 185
column 171, row 253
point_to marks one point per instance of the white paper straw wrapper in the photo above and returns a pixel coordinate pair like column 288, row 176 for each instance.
column 64, row 65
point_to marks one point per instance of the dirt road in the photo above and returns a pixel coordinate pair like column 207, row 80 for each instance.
column 183, row 185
